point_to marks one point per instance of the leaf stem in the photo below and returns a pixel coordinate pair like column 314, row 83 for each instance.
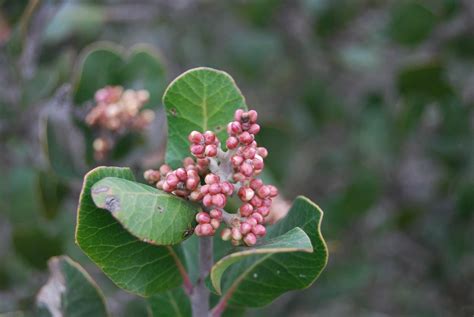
column 200, row 294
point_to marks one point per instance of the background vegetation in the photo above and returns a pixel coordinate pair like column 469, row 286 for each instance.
column 367, row 108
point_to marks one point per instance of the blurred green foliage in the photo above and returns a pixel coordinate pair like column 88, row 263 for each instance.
column 367, row 107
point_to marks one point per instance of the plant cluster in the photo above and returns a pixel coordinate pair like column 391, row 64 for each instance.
column 217, row 175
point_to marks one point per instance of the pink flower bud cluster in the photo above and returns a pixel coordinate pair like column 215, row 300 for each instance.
column 215, row 176
column 215, row 192
column 203, row 144
column 208, row 223
column 116, row 112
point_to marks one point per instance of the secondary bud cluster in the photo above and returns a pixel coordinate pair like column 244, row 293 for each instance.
column 203, row 144
column 214, row 176
column 117, row 111
column 208, row 223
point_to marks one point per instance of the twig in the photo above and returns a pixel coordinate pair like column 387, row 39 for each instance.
column 200, row 294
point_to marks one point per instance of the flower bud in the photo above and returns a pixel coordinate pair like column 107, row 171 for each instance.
column 181, row 174
column 197, row 149
column 254, row 129
column 227, row 188
column 264, row 210
column 246, row 169
column 273, row 191
column 238, row 114
column 211, row 150
column 196, row 137
column 236, row 160
column 246, row 193
column 251, row 221
column 211, row 179
column 214, row 189
column 172, row 180
column 226, row 234
column 152, row 176
column 257, row 217
column 263, row 152
column 245, row 138
column 187, row 161
column 263, row 191
column 207, row 200
column 165, row 169
column 209, row 137
column 253, row 115
column 232, row 143
column 219, row 200
column 259, row 230
column 246, row 210
column 245, row 228
column 236, row 234
column 195, row 195
column 250, row 239
column 215, row 223
column 216, row 214
column 203, row 217
column 206, row 229
column 256, row 183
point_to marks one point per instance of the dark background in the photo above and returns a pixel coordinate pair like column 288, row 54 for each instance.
column 366, row 107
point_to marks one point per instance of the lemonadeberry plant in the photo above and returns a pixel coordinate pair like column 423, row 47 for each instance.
column 196, row 242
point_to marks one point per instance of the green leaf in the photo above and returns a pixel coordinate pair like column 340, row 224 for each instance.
column 36, row 254
column 174, row 302
column 148, row 213
column 426, row 80
column 70, row 291
column 258, row 279
column 411, row 23
column 51, row 192
column 200, row 99
column 294, row 240
column 132, row 264
column 107, row 64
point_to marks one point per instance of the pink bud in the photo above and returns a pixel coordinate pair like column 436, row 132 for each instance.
column 234, row 128
column 166, row 187
column 198, row 231
column 226, row 234
column 245, row 138
column 263, row 152
column 267, row 202
column 197, row 149
column 192, row 183
column 227, row 188
column 159, row 185
column 238, row 177
column 251, row 221
column 273, row 191
column 165, row 169
column 187, row 161
column 253, row 115
column 214, row 189
column 232, row 143
column 263, row 191
column 181, row 174
column 196, row 195
column 195, row 137
column 236, row 234
column 206, row 229
column 236, row 160
column 245, row 228
column 202, row 217
column 172, row 180
column 152, row 176
column 246, row 210
column 259, row 230
column 264, row 210
column 207, row 200
column 257, row 217
column 238, row 114
column 249, row 152
column 246, row 193
column 219, row 200
column 209, row 137
column 257, row 162
column 256, row 201
column 246, row 169
column 205, row 189
column 211, row 150
column 254, row 129
column 215, row 223
column 211, row 179
column 250, row 239
column 216, row 214
column 256, row 183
